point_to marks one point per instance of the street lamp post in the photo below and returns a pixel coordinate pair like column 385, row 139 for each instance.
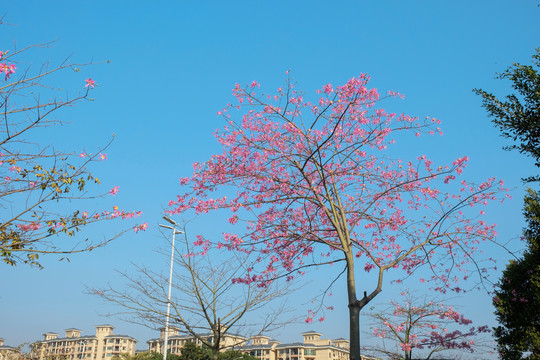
column 174, row 232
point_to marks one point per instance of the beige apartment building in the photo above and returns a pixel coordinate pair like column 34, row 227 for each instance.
column 312, row 348
column 263, row 347
column 176, row 341
column 8, row 352
column 102, row 346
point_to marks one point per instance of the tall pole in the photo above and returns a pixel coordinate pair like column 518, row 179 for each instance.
column 169, row 298
column 174, row 231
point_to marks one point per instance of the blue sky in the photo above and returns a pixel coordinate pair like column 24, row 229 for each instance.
column 172, row 67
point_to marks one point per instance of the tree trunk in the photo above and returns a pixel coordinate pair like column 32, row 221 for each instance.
column 354, row 330
column 355, row 306
column 354, row 311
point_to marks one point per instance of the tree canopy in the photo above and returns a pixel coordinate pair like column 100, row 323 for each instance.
column 517, row 299
column 518, row 117
column 314, row 183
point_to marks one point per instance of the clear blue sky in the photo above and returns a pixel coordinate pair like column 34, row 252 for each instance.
column 172, row 67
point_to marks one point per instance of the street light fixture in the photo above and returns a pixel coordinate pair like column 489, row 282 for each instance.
column 174, row 232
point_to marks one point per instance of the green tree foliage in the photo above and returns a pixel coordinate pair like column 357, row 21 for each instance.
column 517, row 299
column 147, row 355
column 518, row 117
column 191, row 351
column 235, row 355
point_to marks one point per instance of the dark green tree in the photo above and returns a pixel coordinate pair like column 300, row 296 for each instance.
column 518, row 117
column 517, row 299
column 192, row 351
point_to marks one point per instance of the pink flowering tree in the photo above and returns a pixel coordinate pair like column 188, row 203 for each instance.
column 38, row 183
column 427, row 327
column 316, row 182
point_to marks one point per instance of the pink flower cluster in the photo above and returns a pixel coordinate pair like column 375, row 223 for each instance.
column 6, row 67
column 29, row 227
column 141, row 227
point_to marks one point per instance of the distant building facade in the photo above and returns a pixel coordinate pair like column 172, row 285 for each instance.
column 8, row 352
column 263, row 347
column 312, row 348
column 102, row 346
column 176, row 341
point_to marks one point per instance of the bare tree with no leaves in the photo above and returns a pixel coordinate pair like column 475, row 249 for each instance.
column 206, row 299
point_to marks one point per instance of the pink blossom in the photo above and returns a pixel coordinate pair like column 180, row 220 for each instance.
column 90, row 83
column 7, row 69
column 368, row 267
column 141, row 227
column 29, row 227
column 114, row 190
column 328, row 88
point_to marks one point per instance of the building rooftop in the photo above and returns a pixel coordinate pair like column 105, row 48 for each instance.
column 93, row 337
column 310, row 332
column 114, row 336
